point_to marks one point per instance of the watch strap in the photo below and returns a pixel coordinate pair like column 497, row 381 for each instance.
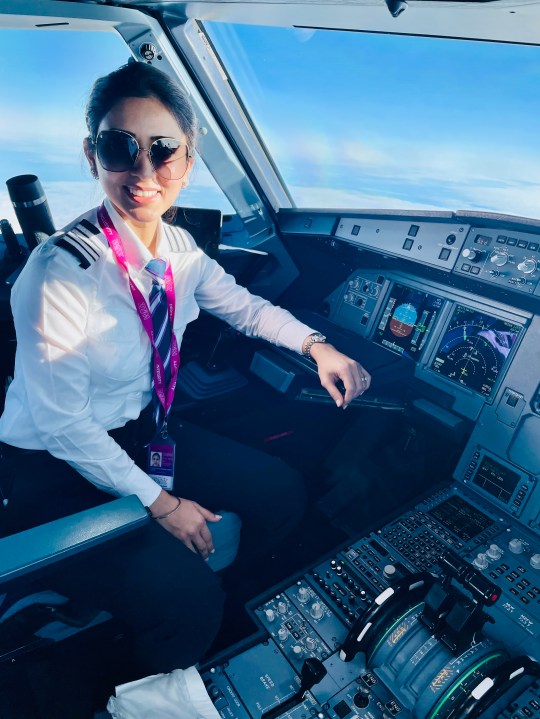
column 314, row 338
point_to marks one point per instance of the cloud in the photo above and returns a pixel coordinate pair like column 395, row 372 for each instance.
column 46, row 128
column 410, row 161
column 403, row 175
column 336, row 198
column 518, row 200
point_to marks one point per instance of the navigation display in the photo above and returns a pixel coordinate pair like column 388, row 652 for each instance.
column 407, row 320
column 475, row 349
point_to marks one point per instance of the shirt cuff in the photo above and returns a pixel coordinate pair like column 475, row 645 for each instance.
column 139, row 483
column 293, row 334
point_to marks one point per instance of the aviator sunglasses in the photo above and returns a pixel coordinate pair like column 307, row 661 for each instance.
column 118, row 151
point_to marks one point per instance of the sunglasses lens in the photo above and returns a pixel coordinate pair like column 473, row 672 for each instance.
column 169, row 158
column 117, row 151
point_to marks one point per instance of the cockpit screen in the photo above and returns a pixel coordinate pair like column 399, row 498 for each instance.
column 496, row 479
column 408, row 318
column 461, row 518
column 475, row 349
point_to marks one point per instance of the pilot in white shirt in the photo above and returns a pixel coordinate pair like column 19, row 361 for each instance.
column 83, row 358
column 75, row 423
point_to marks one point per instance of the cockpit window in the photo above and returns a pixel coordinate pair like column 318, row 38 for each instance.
column 44, row 85
column 358, row 120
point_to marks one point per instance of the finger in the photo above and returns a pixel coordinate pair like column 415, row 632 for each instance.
column 366, row 380
column 207, row 537
column 333, row 391
column 361, row 384
column 201, row 546
column 189, row 544
column 353, row 387
column 207, row 514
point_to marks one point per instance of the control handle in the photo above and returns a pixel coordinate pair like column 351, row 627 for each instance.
column 312, row 672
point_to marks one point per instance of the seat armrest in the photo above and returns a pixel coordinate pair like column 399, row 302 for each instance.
column 47, row 544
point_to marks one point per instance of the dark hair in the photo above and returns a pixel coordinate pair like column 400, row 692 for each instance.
column 136, row 79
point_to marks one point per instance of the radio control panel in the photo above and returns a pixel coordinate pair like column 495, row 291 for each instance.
column 508, row 259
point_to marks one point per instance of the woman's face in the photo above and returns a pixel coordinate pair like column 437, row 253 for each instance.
column 139, row 194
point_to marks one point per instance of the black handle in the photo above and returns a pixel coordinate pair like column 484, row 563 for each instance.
column 32, row 209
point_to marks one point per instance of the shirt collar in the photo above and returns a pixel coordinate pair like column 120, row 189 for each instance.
column 137, row 254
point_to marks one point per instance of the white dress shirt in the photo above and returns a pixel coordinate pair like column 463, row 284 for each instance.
column 82, row 365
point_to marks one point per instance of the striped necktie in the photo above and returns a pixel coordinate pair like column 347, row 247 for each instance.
column 162, row 328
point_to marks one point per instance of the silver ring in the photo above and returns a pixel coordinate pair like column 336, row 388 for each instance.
column 364, row 379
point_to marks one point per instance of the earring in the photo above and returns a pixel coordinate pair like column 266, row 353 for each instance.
column 93, row 172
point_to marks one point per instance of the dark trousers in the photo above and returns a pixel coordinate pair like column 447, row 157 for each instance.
column 164, row 592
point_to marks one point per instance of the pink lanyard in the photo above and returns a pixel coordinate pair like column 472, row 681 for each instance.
column 164, row 394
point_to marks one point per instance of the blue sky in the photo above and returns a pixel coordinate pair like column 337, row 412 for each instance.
column 44, row 85
column 360, row 120
column 352, row 119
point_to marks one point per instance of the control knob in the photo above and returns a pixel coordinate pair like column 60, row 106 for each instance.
column 361, row 700
column 471, row 254
column 316, row 610
column 283, row 634
column 389, row 571
column 298, row 650
column 270, row 615
column 354, row 284
column 499, row 257
column 528, row 265
column 480, row 561
column 303, row 595
column 535, row 561
column 311, row 643
column 282, row 607
column 494, row 551
column 515, row 546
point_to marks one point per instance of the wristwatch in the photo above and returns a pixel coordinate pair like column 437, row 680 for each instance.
column 312, row 339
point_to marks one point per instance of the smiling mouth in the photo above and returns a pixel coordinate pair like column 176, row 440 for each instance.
column 136, row 192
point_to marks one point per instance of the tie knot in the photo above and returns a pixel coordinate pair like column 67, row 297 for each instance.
column 156, row 267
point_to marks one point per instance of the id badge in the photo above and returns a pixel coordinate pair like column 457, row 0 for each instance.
column 160, row 461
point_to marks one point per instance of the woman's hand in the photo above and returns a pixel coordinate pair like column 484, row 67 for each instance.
column 334, row 366
column 187, row 523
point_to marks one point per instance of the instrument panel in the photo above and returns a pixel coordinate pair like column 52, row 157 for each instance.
column 408, row 319
column 475, row 348
column 485, row 248
column 369, row 618
column 366, row 614
column 460, row 344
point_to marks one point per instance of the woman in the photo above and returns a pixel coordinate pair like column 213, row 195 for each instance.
column 95, row 372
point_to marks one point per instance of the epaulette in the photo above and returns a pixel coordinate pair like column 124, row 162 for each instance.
column 177, row 239
column 82, row 243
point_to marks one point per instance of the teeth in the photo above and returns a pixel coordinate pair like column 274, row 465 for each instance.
column 142, row 193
